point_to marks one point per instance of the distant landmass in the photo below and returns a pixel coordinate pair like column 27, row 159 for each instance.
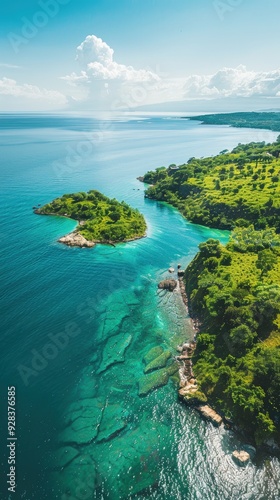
column 265, row 120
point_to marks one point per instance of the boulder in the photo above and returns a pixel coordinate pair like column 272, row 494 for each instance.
column 180, row 273
column 207, row 412
column 168, row 285
column 75, row 239
column 171, row 270
column 241, row 458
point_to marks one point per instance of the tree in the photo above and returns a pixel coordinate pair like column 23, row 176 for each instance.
column 242, row 337
column 266, row 261
column 211, row 248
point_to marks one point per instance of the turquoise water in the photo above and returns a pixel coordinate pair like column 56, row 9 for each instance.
column 76, row 324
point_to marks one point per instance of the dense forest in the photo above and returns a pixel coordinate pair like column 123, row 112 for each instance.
column 265, row 120
column 100, row 218
column 233, row 188
column 234, row 290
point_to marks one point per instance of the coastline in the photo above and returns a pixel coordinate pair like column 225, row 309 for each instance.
column 76, row 239
column 189, row 392
column 189, row 388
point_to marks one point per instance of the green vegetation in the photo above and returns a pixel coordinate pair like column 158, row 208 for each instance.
column 266, row 120
column 235, row 292
column 233, row 188
column 100, row 218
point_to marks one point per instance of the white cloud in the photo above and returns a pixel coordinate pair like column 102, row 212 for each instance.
column 233, row 82
column 93, row 49
column 9, row 87
column 97, row 60
column 107, row 83
column 75, row 79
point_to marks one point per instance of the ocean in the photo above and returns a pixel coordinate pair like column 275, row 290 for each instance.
column 78, row 325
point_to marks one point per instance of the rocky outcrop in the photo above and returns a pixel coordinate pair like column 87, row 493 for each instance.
column 75, row 239
column 187, row 378
column 189, row 389
column 241, row 458
column 168, row 285
column 182, row 288
column 207, row 412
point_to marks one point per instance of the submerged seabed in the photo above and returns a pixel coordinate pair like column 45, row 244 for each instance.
column 91, row 424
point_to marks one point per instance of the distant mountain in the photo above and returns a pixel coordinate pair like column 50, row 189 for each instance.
column 224, row 105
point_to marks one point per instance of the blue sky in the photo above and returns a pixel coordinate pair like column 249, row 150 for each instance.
column 178, row 49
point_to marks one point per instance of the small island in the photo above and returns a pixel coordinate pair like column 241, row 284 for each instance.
column 101, row 219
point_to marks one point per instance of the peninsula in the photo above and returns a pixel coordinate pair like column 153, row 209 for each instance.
column 100, row 219
column 262, row 120
column 240, row 187
column 232, row 291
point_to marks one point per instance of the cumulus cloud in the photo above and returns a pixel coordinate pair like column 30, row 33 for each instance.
column 9, row 87
column 104, row 81
column 233, row 82
column 96, row 58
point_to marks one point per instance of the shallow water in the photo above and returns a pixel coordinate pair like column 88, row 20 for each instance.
column 77, row 324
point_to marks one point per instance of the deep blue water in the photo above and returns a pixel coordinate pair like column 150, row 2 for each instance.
column 148, row 447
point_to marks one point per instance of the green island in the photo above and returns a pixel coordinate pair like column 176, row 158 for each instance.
column 232, row 291
column 263, row 120
column 101, row 219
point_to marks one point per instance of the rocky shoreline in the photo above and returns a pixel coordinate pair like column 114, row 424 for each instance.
column 76, row 239
column 189, row 389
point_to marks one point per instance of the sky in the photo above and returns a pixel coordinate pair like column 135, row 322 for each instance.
column 120, row 54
